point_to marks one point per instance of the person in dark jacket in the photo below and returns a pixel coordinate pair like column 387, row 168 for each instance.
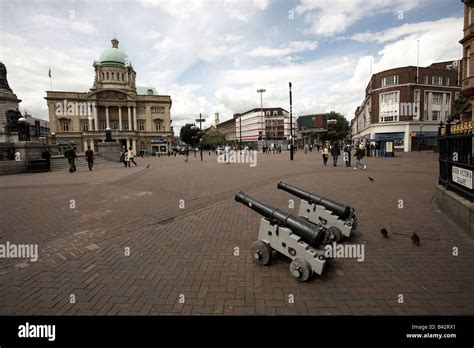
column 347, row 155
column 47, row 156
column 335, row 152
column 90, row 157
column 71, row 158
column 359, row 154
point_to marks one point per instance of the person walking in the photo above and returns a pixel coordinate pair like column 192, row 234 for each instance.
column 71, row 158
column 90, row 157
column 347, row 155
column 47, row 156
column 335, row 152
column 359, row 154
column 186, row 155
column 123, row 155
column 131, row 155
column 227, row 153
column 325, row 154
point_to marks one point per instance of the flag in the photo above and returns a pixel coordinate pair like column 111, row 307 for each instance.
column 49, row 73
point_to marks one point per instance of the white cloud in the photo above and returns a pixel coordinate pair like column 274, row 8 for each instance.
column 289, row 48
column 331, row 17
column 55, row 23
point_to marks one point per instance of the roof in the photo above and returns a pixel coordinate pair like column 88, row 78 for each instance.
column 113, row 55
column 143, row 90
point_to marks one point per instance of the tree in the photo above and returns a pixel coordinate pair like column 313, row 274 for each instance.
column 338, row 127
column 189, row 134
column 458, row 105
column 212, row 139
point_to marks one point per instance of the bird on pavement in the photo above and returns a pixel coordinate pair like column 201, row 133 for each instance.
column 384, row 232
column 415, row 239
column 371, row 179
column 148, row 166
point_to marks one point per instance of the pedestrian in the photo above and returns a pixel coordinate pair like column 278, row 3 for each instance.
column 335, row 152
column 347, row 155
column 359, row 154
column 306, row 148
column 131, row 155
column 47, row 156
column 71, row 158
column 186, row 155
column 90, row 157
column 325, row 154
column 123, row 155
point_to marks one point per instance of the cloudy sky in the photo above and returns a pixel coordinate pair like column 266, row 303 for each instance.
column 211, row 56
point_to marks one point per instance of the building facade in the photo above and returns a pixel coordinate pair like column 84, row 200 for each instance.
column 467, row 71
column 228, row 129
column 405, row 106
column 137, row 116
column 267, row 125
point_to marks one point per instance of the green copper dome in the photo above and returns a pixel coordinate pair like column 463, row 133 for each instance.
column 114, row 55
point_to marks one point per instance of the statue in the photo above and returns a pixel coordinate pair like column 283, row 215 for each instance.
column 12, row 120
column 3, row 78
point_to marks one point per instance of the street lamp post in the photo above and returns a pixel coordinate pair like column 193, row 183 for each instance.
column 291, row 124
column 261, row 91
column 421, row 137
column 200, row 120
column 240, row 131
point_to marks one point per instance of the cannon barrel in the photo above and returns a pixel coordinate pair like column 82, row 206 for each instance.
column 311, row 233
column 343, row 211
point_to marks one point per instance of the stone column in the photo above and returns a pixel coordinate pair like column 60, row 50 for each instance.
column 107, row 121
column 134, row 147
column 96, row 118
column 85, row 145
column 120, row 117
column 135, row 118
column 129, row 119
column 128, row 143
column 89, row 116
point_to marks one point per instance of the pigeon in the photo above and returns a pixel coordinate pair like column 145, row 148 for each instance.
column 371, row 179
column 148, row 166
column 384, row 232
column 415, row 239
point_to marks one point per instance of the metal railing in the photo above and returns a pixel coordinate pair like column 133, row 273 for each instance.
column 456, row 161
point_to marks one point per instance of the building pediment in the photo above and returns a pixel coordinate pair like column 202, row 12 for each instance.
column 111, row 95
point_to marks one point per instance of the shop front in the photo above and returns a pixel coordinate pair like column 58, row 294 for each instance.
column 388, row 143
column 423, row 140
column 158, row 146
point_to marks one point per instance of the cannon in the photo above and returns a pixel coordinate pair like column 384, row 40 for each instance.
column 339, row 219
column 299, row 239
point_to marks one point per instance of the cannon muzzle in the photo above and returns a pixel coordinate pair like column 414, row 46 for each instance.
column 343, row 211
column 312, row 234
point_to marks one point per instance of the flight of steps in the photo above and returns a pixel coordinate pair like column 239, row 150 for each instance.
column 61, row 163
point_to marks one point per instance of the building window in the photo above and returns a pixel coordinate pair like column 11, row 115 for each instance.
column 103, row 125
column 447, row 81
column 85, row 126
column 390, row 81
column 416, row 103
column 65, row 126
column 267, row 113
column 275, row 113
column 125, row 125
column 157, row 109
column 437, row 98
column 435, row 115
column 389, row 107
column 141, row 125
column 426, row 80
column 115, row 125
column 468, row 61
column 437, row 80
column 456, row 95
column 158, row 125
column 469, row 16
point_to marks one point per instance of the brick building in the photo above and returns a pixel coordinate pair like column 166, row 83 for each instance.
column 405, row 105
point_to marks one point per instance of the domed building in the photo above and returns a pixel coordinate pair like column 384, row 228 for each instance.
column 137, row 116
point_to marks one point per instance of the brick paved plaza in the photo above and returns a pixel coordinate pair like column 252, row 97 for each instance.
column 190, row 251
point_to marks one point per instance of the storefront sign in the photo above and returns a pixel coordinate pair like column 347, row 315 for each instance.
column 462, row 177
column 388, row 146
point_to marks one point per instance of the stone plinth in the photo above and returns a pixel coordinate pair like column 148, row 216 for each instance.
column 110, row 150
